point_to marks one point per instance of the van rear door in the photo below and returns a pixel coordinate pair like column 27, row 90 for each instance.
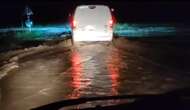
column 94, row 19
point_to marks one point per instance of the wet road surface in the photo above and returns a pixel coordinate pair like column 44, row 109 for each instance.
column 95, row 69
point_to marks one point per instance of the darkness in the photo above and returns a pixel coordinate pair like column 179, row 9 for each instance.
column 125, row 11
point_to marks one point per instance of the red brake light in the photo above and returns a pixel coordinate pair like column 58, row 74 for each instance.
column 74, row 24
column 111, row 23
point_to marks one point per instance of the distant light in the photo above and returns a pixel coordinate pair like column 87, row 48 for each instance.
column 28, row 11
column 143, row 30
column 28, row 24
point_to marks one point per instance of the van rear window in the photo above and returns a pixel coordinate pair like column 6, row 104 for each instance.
column 92, row 7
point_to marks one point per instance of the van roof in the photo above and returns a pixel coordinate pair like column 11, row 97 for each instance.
column 84, row 10
column 92, row 5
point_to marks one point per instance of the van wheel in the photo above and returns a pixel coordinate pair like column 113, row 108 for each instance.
column 114, row 39
column 72, row 41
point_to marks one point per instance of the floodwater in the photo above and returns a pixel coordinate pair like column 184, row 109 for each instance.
column 88, row 70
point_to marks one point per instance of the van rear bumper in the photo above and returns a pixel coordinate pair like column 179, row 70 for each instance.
column 92, row 36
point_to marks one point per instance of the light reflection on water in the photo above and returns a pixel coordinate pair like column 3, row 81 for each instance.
column 76, row 73
column 94, row 71
column 113, row 65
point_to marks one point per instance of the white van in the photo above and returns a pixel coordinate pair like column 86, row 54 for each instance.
column 92, row 23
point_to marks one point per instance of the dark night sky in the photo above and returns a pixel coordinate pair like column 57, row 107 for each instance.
column 130, row 11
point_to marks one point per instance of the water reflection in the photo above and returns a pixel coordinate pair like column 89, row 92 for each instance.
column 76, row 72
column 113, row 65
column 94, row 73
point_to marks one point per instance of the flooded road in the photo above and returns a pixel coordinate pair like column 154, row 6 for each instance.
column 92, row 69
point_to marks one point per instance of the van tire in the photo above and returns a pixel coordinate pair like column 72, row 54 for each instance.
column 72, row 41
column 114, row 39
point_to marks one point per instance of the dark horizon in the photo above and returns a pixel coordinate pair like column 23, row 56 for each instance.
column 56, row 12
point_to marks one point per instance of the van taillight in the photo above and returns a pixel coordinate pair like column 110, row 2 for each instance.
column 111, row 23
column 73, row 24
